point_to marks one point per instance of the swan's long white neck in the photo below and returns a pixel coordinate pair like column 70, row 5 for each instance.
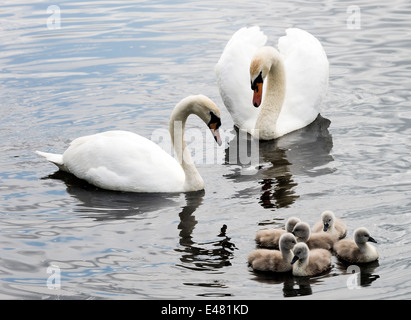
column 193, row 180
column 274, row 96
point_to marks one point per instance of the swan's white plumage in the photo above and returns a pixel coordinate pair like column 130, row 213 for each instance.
column 306, row 68
column 233, row 75
column 124, row 161
column 95, row 158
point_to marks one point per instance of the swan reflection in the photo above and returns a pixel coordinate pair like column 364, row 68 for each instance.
column 211, row 255
column 301, row 286
column 292, row 286
column 363, row 275
column 303, row 152
column 100, row 204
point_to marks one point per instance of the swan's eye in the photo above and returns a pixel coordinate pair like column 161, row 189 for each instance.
column 257, row 80
column 214, row 122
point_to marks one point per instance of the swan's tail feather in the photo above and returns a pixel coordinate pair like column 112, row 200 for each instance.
column 56, row 159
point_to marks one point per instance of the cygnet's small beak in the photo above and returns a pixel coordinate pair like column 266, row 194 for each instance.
column 294, row 259
column 326, row 226
column 216, row 135
column 371, row 239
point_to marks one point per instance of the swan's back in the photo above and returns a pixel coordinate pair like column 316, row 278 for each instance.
column 321, row 240
column 233, row 75
column 269, row 238
column 268, row 260
column 319, row 261
column 143, row 167
column 307, row 72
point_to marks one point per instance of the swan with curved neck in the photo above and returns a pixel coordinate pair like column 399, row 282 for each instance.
column 124, row 161
column 294, row 76
column 204, row 108
column 267, row 63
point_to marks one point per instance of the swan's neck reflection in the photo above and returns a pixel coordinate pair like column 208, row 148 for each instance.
column 302, row 152
column 210, row 255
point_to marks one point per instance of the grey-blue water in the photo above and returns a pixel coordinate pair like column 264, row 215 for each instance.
column 102, row 65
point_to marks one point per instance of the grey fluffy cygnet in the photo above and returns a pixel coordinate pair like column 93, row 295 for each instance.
column 321, row 240
column 357, row 250
column 270, row 238
column 308, row 262
column 274, row 260
column 330, row 224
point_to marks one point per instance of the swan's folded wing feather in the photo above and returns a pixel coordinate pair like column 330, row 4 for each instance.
column 119, row 160
column 233, row 75
column 307, row 72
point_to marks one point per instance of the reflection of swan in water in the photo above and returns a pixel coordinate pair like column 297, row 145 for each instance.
column 302, row 152
column 292, row 286
column 362, row 273
column 101, row 204
column 201, row 256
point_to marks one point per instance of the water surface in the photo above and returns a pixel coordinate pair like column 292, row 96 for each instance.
column 124, row 65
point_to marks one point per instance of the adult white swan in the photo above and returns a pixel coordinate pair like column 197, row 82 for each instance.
column 125, row 161
column 297, row 81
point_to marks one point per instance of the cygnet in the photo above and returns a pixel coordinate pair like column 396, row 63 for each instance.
column 269, row 238
column 321, row 240
column 308, row 262
column 357, row 250
column 274, row 260
column 330, row 224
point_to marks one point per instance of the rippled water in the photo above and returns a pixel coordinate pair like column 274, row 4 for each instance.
column 124, row 65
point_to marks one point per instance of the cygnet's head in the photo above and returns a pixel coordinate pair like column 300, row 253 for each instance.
column 327, row 218
column 302, row 231
column 290, row 224
column 301, row 252
column 287, row 241
column 362, row 235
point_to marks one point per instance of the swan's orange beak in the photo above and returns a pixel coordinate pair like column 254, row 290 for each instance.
column 216, row 133
column 258, row 94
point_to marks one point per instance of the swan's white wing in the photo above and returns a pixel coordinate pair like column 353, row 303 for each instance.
column 120, row 160
column 233, row 76
column 306, row 67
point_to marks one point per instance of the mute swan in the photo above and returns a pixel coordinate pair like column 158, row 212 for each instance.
column 270, row 238
column 297, row 81
column 330, row 224
column 125, row 161
column 274, row 260
column 308, row 262
column 357, row 250
column 321, row 240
